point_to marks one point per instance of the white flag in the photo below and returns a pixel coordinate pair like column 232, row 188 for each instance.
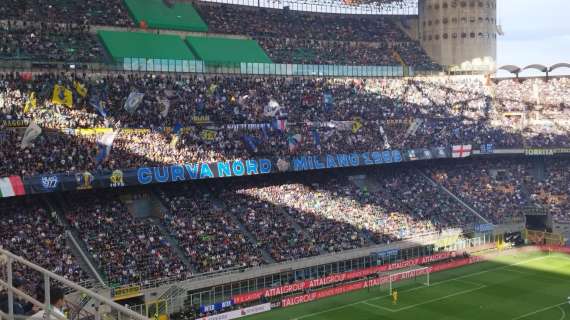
column 164, row 106
column 32, row 132
column 133, row 101
column 271, row 109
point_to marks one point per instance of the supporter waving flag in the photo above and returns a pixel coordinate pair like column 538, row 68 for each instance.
column 97, row 104
column 164, row 106
column 31, row 103
column 316, row 138
column 62, row 96
column 175, row 134
column 280, row 124
column 294, row 141
column 251, row 143
column 32, row 132
column 80, row 88
column 328, row 101
column 272, row 108
column 105, row 144
column 133, row 101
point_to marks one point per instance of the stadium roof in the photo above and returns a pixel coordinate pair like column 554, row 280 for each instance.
column 542, row 68
column 394, row 7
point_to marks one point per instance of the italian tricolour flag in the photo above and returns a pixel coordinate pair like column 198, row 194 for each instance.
column 11, row 186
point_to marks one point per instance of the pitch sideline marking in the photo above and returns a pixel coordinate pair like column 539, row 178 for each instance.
column 378, row 307
column 437, row 283
column 541, row 310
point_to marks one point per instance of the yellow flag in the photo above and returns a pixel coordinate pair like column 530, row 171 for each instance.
column 31, row 103
column 212, row 89
column 356, row 124
column 62, row 96
column 80, row 88
column 208, row 135
column 174, row 140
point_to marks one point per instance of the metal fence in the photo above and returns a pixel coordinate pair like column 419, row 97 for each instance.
column 245, row 68
column 103, row 307
column 201, row 67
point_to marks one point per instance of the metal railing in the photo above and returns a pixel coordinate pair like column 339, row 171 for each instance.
column 200, row 67
column 105, row 307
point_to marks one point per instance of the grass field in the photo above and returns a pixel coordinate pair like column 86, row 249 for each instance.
column 514, row 286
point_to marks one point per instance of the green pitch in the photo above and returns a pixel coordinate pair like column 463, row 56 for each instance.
column 530, row 286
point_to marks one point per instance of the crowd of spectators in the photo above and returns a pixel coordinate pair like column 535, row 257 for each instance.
column 93, row 12
column 265, row 22
column 242, row 224
column 312, row 229
column 45, row 42
column 309, row 51
column 495, row 189
column 60, row 31
column 316, row 38
column 127, row 249
column 33, row 232
column 553, row 193
column 205, row 232
column 361, row 115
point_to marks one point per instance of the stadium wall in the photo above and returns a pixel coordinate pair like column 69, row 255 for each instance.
column 460, row 33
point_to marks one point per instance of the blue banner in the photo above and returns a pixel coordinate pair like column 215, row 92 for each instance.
column 330, row 161
column 484, row 227
column 216, row 306
column 222, row 169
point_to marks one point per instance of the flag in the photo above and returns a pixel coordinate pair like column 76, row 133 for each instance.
column 251, row 143
column 328, row 101
column 294, row 142
column 316, row 139
column 212, row 89
column 164, row 106
column 11, row 186
column 62, row 96
column 461, row 151
column 208, row 135
column 105, row 144
column 96, row 103
column 32, row 132
column 133, row 101
column 31, row 103
column 80, row 88
column 175, row 134
column 279, row 124
column 264, row 132
column 271, row 109
column 356, row 124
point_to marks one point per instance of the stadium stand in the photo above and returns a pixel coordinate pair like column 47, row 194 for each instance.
column 158, row 15
column 438, row 109
column 552, row 191
column 207, row 234
column 121, row 45
column 215, row 50
column 301, row 37
column 287, row 37
column 478, row 183
column 48, row 42
column 128, row 250
column 93, row 12
column 34, row 232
